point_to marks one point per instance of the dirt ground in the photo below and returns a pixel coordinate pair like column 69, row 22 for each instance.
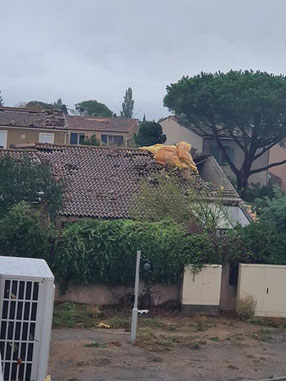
column 170, row 348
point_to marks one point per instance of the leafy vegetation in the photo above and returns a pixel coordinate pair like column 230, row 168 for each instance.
column 23, row 180
column 163, row 196
column 149, row 133
column 22, row 234
column 245, row 307
column 38, row 105
column 128, row 104
column 105, row 251
column 248, row 106
column 93, row 108
column 92, row 141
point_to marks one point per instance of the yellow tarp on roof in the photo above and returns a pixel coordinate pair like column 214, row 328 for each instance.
column 175, row 156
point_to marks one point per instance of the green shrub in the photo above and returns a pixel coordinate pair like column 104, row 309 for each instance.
column 245, row 307
column 21, row 233
column 105, row 251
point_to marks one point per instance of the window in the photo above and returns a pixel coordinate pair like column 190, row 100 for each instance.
column 116, row 140
column 46, row 137
column 3, row 139
column 219, row 155
column 76, row 138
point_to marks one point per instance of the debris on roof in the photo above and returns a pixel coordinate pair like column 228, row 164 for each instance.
column 89, row 123
column 22, row 117
column 174, row 156
column 100, row 182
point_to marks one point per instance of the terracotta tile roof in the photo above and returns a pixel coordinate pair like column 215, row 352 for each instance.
column 116, row 124
column 100, row 182
column 21, row 117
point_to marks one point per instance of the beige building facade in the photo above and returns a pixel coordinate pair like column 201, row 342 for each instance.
column 206, row 145
column 278, row 154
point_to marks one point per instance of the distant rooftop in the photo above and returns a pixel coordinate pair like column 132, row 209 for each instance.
column 115, row 124
column 22, row 117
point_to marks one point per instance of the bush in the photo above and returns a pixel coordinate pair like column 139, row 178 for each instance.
column 105, row 251
column 245, row 307
column 21, row 233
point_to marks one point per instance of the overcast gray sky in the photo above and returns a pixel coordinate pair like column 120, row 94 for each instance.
column 95, row 49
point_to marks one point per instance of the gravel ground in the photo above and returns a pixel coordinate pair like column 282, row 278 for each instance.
column 229, row 354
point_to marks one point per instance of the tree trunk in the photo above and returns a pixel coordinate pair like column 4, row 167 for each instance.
column 242, row 183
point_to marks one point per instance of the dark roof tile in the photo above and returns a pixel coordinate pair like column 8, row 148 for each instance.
column 21, row 117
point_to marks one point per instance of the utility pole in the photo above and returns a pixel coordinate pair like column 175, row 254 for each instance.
column 135, row 307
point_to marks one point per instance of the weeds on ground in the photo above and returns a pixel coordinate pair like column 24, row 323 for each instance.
column 95, row 344
column 245, row 307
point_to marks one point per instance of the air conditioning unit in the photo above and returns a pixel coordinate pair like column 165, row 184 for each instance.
column 26, row 309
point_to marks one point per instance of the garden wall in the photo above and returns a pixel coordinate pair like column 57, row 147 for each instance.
column 104, row 295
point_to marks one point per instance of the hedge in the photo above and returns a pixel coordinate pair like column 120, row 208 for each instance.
column 105, row 251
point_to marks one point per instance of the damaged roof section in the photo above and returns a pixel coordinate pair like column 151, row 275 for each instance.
column 101, row 124
column 101, row 181
column 21, row 117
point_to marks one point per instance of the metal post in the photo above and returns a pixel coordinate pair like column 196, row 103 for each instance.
column 135, row 307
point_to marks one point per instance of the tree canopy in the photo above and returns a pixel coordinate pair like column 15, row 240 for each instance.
column 92, row 141
column 22, row 181
column 149, row 133
column 128, row 104
column 93, row 108
column 39, row 105
column 248, row 107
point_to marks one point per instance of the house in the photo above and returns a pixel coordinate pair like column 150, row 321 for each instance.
column 21, row 126
column 207, row 145
column 114, row 131
column 278, row 174
column 101, row 181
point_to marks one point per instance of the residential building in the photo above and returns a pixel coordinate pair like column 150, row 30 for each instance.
column 114, row 131
column 22, row 126
column 207, row 145
column 278, row 173
column 102, row 181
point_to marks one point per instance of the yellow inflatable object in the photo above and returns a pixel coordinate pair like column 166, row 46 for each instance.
column 174, row 156
column 103, row 325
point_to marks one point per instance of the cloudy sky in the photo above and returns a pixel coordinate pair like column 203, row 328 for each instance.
column 95, row 49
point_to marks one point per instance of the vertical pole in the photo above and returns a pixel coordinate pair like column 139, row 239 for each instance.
column 135, row 307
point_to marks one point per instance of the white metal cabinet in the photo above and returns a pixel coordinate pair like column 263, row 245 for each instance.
column 267, row 285
column 26, row 307
column 201, row 288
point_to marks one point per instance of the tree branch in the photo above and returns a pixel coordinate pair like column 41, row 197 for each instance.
column 267, row 167
column 265, row 150
column 232, row 166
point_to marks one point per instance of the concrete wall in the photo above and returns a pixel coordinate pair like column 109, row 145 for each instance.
column 261, row 177
column 31, row 135
column 277, row 154
column 176, row 133
column 103, row 295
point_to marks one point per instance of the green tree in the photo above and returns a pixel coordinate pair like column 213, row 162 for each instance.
column 171, row 196
column 247, row 106
column 23, row 180
column 1, row 100
column 38, row 105
column 128, row 104
column 93, row 108
column 273, row 211
column 149, row 133
column 92, row 141
column 22, row 235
